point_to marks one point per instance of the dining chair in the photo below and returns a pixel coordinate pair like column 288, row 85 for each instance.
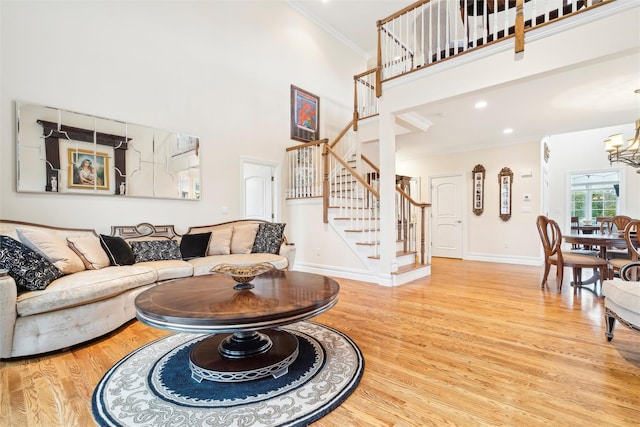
column 632, row 250
column 551, row 238
column 575, row 223
column 615, row 224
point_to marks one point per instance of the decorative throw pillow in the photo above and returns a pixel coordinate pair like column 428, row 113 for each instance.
column 53, row 247
column 242, row 238
column 194, row 245
column 220, row 243
column 268, row 238
column 90, row 251
column 155, row 250
column 118, row 251
column 30, row 270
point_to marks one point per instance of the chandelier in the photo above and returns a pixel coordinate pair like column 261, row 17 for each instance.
column 630, row 154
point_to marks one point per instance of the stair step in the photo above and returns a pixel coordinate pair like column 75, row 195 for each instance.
column 398, row 254
column 350, row 207
column 356, row 218
column 362, row 230
column 410, row 267
column 367, row 243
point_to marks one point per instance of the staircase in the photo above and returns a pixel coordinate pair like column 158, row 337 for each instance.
column 353, row 212
column 351, row 207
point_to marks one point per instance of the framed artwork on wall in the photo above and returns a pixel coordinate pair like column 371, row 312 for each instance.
column 88, row 169
column 305, row 115
column 505, row 179
column 478, row 189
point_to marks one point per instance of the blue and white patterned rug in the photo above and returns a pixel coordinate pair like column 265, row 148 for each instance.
column 153, row 387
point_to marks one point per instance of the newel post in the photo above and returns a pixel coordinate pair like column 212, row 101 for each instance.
column 379, row 65
column 325, row 183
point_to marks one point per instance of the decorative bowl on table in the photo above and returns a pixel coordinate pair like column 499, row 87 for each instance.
column 243, row 274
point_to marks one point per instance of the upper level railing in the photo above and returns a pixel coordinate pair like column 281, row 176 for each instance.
column 365, row 98
column 429, row 31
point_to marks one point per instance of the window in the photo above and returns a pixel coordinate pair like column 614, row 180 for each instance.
column 595, row 194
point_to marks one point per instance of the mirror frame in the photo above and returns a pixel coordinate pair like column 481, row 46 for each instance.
column 156, row 154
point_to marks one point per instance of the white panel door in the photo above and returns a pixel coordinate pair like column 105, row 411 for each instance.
column 258, row 191
column 446, row 206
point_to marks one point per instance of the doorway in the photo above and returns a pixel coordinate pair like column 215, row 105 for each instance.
column 447, row 194
column 259, row 184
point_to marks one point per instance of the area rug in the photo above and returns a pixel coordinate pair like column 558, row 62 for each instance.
column 153, row 386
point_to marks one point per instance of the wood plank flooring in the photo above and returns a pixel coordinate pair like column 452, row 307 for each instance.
column 475, row 344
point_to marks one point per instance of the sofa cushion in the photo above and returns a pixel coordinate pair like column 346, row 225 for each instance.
column 84, row 287
column 90, row 251
column 194, row 245
column 30, row 270
column 220, row 243
column 170, row 268
column 155, row 250
column 205, row 264
column 118, row 251
column 268, row 238
column 53, row 246
column 242, row 238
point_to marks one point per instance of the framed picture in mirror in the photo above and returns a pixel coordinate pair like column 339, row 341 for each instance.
column 88, row 169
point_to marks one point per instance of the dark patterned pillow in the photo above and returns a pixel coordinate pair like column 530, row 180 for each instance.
column 117, row 249
column 268, row 238
column 30, row 270
column 194, row 245
column 155, row 250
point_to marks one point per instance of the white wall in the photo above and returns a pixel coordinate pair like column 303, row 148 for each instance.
column 484, row 236
column 219, row 70
column 584, row 152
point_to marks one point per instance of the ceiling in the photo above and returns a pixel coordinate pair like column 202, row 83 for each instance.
column 595, row 95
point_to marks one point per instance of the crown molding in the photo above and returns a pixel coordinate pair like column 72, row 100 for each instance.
column 295, row 4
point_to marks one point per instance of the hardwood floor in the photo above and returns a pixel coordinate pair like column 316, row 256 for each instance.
column 475, row 344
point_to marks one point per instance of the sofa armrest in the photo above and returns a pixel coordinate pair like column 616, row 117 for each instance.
column 8, row 314
column 288, row 250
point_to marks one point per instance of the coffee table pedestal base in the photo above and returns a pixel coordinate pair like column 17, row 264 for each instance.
column 207, row 361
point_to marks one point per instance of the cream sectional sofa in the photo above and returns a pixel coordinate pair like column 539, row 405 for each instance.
column 92, row 298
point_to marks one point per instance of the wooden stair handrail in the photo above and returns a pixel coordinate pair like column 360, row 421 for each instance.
column 375, row 168
column 361, row 180
column 411, row 200
column 307, row 144
column 341, row 134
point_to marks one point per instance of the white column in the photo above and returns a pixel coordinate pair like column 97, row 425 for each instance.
column 387, row 151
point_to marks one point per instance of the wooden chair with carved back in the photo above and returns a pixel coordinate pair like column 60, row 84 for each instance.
column 551, row 238
column 632, row 249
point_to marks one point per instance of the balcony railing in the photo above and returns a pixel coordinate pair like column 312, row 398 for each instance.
column 430, row 31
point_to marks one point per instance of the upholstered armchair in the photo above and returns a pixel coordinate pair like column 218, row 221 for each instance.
column 622, row 299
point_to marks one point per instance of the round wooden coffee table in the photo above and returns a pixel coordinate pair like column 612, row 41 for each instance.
column 245, row 344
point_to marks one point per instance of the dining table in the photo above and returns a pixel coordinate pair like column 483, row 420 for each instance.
column 602, row 242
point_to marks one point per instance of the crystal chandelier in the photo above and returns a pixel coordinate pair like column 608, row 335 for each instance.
column 630, row 154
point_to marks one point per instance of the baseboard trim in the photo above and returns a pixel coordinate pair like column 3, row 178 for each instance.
column 503, row 259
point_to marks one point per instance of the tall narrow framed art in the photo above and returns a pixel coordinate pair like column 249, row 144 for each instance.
column 478, row 189
column 305, row 115
column 505, row 178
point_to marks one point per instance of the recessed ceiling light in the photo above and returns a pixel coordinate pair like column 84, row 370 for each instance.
column 481, row 104
column 507, row 130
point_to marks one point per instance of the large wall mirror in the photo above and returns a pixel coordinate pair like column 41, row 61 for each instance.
column 61, row 151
